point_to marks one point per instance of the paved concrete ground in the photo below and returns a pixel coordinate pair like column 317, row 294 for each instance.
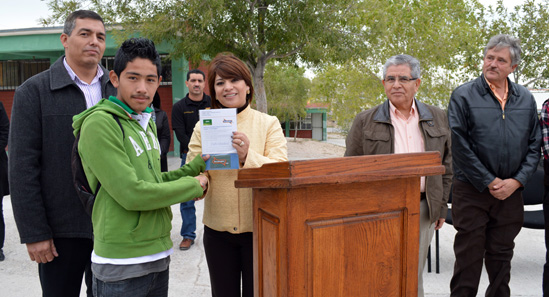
column 189, row 272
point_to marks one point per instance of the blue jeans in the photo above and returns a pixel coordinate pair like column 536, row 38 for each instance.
column 150, row 285
column 188, row 214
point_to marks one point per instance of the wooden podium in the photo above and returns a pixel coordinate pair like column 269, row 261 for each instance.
column 344, row 227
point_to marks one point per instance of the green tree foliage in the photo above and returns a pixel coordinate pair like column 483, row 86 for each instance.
column 442, row 34
column 348, row 90
column 446, row 36
column 310, row 31
column 287, row 91
column 529, row 22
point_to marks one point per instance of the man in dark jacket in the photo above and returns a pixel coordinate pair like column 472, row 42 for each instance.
column 184, row 118
column 162, row 130
column 544, row 123
column 50, row 218
column 496, row 147
column 403, row 124
column 4, row 187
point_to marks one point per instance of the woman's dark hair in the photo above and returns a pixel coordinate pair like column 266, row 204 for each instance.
column 228, row 66
column 136, row 48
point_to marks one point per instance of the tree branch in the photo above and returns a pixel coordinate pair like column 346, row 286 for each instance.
column 294, row 51
column 532, row 81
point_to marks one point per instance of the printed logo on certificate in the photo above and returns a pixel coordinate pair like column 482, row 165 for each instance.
column 217, row 127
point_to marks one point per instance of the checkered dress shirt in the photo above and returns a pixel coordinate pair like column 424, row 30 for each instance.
column 544, row 121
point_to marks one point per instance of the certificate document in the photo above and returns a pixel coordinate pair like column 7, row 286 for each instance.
column 217, row 127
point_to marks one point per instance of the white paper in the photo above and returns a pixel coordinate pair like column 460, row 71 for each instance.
column 217, row 127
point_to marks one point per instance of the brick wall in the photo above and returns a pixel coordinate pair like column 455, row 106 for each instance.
column 6, row 97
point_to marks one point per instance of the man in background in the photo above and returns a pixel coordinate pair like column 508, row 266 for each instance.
column 4, row 186
column 544, row 122
column 184, row 118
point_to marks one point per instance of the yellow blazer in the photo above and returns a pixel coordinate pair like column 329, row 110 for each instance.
column 227, row 208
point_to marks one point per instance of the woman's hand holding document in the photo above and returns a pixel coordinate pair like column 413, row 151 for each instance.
column 217, row 127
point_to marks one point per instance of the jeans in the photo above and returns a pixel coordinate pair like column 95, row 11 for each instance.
column 150, row 285
column 188, row 214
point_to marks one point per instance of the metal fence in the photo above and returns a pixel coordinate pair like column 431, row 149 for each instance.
column 166, row 72
column 14, row 72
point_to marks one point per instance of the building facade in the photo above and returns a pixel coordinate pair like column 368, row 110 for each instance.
column 26, row 52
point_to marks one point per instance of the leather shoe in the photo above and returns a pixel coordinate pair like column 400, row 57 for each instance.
column 2, row 257
column 186, row 244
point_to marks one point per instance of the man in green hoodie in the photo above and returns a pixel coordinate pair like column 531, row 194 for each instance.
column 131, row 215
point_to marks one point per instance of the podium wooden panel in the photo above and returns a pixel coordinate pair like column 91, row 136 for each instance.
column 338, row 227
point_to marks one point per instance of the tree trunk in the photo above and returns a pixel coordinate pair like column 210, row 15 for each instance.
column 259, row 86
column 296, row 119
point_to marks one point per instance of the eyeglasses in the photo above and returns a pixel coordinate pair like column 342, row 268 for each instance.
column 401, row 79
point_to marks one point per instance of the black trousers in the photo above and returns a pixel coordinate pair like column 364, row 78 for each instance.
column 229, row 257
column 2, row 224
column 546, row 266
column 63, row 275
column 486, row 230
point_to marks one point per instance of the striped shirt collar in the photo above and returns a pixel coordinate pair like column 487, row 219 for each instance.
column 92, row 91
column 77, row 79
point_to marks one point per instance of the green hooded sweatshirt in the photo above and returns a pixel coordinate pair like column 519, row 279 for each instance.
column 131, row 215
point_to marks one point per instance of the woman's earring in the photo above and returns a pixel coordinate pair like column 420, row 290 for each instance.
column 248, row 92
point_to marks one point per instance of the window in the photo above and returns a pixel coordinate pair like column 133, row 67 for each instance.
column 108, row 62
column 14, row 72
column 166, row 72
column 303, row 123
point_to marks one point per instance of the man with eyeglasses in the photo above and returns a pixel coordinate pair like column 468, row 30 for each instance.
column 402, row 124
column 496, row 144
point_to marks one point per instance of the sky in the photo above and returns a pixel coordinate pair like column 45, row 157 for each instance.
column 17, row 14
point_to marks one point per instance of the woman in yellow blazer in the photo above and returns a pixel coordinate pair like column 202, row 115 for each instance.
column 227, row 210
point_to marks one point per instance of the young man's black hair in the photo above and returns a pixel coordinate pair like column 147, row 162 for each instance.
column 136, row 48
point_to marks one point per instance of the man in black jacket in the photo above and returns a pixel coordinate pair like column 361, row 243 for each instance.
column 184, row 118
column 4, row 187
column 50, row 218
column 496, row 148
